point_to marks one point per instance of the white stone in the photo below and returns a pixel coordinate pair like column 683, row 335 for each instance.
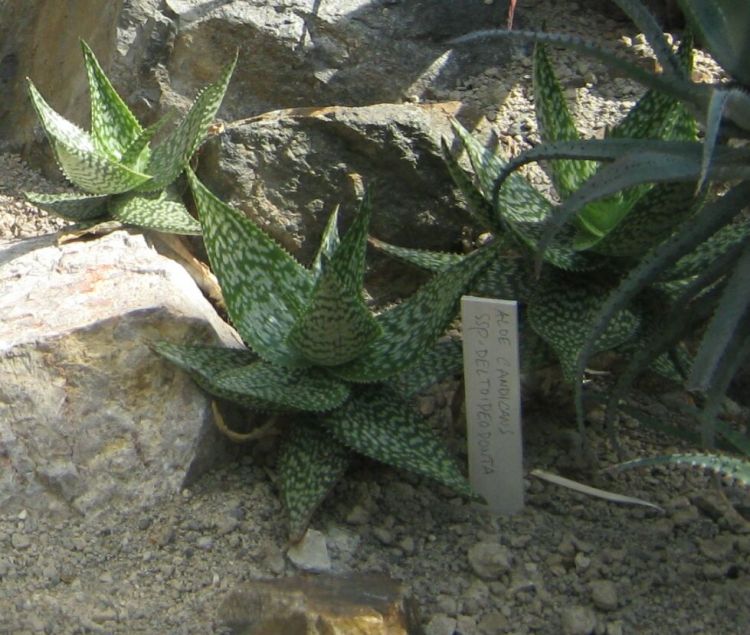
column 490, row 560
column 310, row 553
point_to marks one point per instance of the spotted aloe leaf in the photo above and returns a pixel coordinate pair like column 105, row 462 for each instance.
column 381, row 425
column 205, row 363
column 520, row 207
column 170, row 157
column 657, row 116
column 440, row 362
column 287, row 388
column 265, row 289
column 138, row 154
column 71, row 206
column 310, row 463
column 480, row 207
column 329, row 242
column 520, row 200
column 114, row 128
column 652, row 218
column 422, row 258
column 656, row 162
column 159, row 211
column 506, row 277
column 336, row 324
column 556, row 124
column 411, row 327
column 709, row 251
column 628, row 222
column 77, row 156
column 727, row 466
column 563, row 308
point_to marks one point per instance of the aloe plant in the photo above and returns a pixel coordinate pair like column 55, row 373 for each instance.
column 316, row 349
column 122, row 177
column 704, row 261
column 585, row 264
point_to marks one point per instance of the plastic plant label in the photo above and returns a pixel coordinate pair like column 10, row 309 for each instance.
column 493, row 401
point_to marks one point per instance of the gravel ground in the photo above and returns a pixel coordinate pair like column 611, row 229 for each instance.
column 567, row 564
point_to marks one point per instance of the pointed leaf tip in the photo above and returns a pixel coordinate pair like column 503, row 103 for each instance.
column 310, row 463
column 264, row 287
column 171, row 156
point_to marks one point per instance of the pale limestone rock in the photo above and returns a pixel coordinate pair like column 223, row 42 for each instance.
column 90, row 418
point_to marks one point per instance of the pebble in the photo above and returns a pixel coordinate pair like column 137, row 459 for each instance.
column 615, row 628
column 577, row 620
column 227, row 525
column 385, row 536
column 567, row 546
column 493, row 623
column 604, row 595
column 407, row 545
column 358, row 516
column 490, row 560
column 20, row 541
column 663, row 527
column 51, row 574
column 106, row 578
column 475, row 597
column 582, row 562
column 718, row 549
column 743, row 544
column 205, row 542
column 440, row 624
column 466, row 625
column 310, row 553
column 426, row 405
column 274, row 561
column 713, row 571
column 447, row 604
column 686, row 516
column 144, row 523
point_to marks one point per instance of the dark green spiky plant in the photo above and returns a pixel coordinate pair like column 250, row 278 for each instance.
column 314, row 348
column 122, row 177
column 705, row 260
column 588, row 261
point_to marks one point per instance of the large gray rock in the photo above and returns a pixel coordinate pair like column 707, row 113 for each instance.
column 292, row 53
column 288, row 169
column 90, row 417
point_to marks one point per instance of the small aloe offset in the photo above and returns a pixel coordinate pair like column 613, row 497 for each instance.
column 123, row 178
column 315, row 348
